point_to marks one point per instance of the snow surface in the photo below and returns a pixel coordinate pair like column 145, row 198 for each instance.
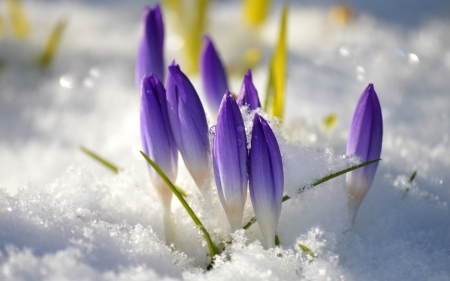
column 64, row 217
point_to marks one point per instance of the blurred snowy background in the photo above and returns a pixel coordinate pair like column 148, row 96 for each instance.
column 65, row 217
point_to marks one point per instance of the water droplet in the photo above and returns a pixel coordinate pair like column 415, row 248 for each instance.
column 9, row 209
column 240, row 129
column 344, row 52
column 413, row 59
column 239, row 142
column 256, row 137
column 360, row 72
column 67, row 81
column 360, row 69
column 441, row 181
column 212, row 130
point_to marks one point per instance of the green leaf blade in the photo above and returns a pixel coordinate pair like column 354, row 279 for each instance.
column 317, row 182
column 106, row 163
column 213, row 250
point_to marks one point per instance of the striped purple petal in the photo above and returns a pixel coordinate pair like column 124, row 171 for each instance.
column 157, row 139
column 150, row 57
column 248, row 94
column 365, row 140
column 213, row 75
column 188, row 122
column 230, row 160
column 266, row 179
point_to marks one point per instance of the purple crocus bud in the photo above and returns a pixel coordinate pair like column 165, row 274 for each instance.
column 266, row 178
column 366, row 136
column 248, row 94
column 159, row 144
column 230, row 160
column 150, row 58
column 188, row 122
column 213, row 75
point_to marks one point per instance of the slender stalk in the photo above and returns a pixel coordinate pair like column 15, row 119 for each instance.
column 169, row 226
column 412, row 177
column 212, row 248
column 319, row 181
column 100, row 159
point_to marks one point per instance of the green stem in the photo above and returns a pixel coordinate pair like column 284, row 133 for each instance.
column 319, row 181
column 412, row 177
column 212, row 248
column 100, row 159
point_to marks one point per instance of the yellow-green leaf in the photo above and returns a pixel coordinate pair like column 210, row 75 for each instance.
column 173, row 5
column 306, row 250
column 20, row 24
column 274, row 103
column 51, row 46
column 255, row 11
column 2, row 25
column 100, row 159
column 195, row 27
column 330, row 121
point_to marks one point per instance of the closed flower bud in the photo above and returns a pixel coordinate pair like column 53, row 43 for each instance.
column 266, row 179
column 150, row 57
column 366, row 136
column 230, row 160
column 213, row 75
column 248, row 94
column 158, row 143
column 188, row 122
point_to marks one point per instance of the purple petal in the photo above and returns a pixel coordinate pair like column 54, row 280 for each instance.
column 365, row 140
column 188, row 122
column 248, row 94
column 213, row 75
column 157, row 139
column 266, row 178
column 230, row 160
column 150, row 58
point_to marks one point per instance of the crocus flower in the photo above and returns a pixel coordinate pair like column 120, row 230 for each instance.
column 213, row 75
column 266, row 178
column 150, row 58
column 188, row 122
column 366, row 135
column 230, row 160
column 248, row 94
column 158, row 143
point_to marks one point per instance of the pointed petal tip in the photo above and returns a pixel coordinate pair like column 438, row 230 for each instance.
column 145, row 10
column 174, row 68
column 206, row 39
column 260, row 119
column 248, row 74
column 157, row 8
column 370, row 89
column 256, row 117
